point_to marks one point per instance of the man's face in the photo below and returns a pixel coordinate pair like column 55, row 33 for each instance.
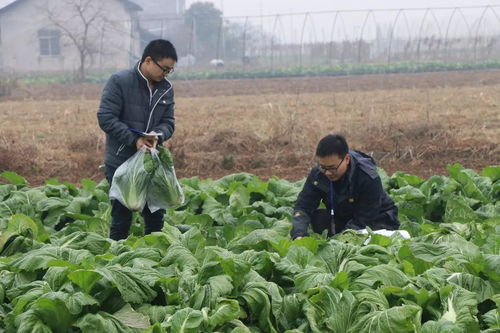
column 333, row 166
column 157, row 70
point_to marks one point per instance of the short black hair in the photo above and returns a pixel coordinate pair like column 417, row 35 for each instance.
column 159, row 49
column 332, row 144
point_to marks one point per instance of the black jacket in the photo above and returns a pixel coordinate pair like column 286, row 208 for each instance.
column 127, row 103
column 359, row 199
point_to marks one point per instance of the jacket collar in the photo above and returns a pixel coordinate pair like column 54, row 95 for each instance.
column 353, row 162
column 164, row 84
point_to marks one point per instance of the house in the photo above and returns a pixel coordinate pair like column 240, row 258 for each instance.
column 46, row 36
column 156, row 13
column 161, row 19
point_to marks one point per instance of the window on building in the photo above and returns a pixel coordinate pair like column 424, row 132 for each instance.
column 49, row 42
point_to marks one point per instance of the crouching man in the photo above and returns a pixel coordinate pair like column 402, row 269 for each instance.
column 347, row 183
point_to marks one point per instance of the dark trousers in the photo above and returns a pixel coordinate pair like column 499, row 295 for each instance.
column 321, row 221
column 121, row 216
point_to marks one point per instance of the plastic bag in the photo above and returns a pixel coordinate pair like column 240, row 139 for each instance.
column 384, row 232
column 164, row 189
column 131, row 181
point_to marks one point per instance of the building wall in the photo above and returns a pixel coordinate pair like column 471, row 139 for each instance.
column 114, row 44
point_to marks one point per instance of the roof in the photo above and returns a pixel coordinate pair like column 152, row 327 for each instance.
column 8, row 4
column 160, row 9
column 132, row 6
column 4, row 4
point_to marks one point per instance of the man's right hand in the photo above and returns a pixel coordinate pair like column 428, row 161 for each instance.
column 296, row 238
column 148, row 142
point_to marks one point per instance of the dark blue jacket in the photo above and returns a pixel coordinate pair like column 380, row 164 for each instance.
column 126, row 103
column 359, row 199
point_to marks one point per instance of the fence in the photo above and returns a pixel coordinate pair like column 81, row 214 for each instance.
column 315, row 42
column 450, row 35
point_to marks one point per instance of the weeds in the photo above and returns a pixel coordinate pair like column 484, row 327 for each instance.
column 416, row 130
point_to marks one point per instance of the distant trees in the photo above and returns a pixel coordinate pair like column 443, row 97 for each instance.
column 82, row 23
column 204, row 21
column 212, row 37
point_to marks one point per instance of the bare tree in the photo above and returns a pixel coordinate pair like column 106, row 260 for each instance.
column 82, row 22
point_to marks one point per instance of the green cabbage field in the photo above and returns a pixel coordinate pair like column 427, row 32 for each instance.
column 224, row 261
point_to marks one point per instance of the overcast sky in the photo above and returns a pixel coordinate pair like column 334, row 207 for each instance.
column 256, row 7
column 269, row 7
column 319, row 26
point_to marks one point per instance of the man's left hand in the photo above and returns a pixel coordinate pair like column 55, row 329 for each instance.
column 152, row 140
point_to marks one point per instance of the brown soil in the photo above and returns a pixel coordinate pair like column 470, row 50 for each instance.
column 208, row 88
column 417, row 123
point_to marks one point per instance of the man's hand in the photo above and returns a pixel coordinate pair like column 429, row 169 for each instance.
column 153, row 140
column 149, row 142
column 143, row 142
column 297, row 238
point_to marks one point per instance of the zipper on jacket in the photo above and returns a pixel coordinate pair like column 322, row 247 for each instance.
column 151, row 96
column 157, row 101
column 332, row 210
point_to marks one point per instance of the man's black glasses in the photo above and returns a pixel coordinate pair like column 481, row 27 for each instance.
column 166, row 70
column 331, row 169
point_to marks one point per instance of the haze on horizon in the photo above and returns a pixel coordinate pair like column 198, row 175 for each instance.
column 273, row 7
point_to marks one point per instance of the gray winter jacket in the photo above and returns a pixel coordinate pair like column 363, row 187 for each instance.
column 128, row 104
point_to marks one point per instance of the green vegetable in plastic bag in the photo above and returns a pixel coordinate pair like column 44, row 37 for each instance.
column 131, row 180
column 164, row 189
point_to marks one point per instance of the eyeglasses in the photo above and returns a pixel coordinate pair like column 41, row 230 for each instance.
column 332, row 169
column 166, row 70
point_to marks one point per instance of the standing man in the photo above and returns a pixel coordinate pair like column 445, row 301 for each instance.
column 346, row 181
column 139, row 99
